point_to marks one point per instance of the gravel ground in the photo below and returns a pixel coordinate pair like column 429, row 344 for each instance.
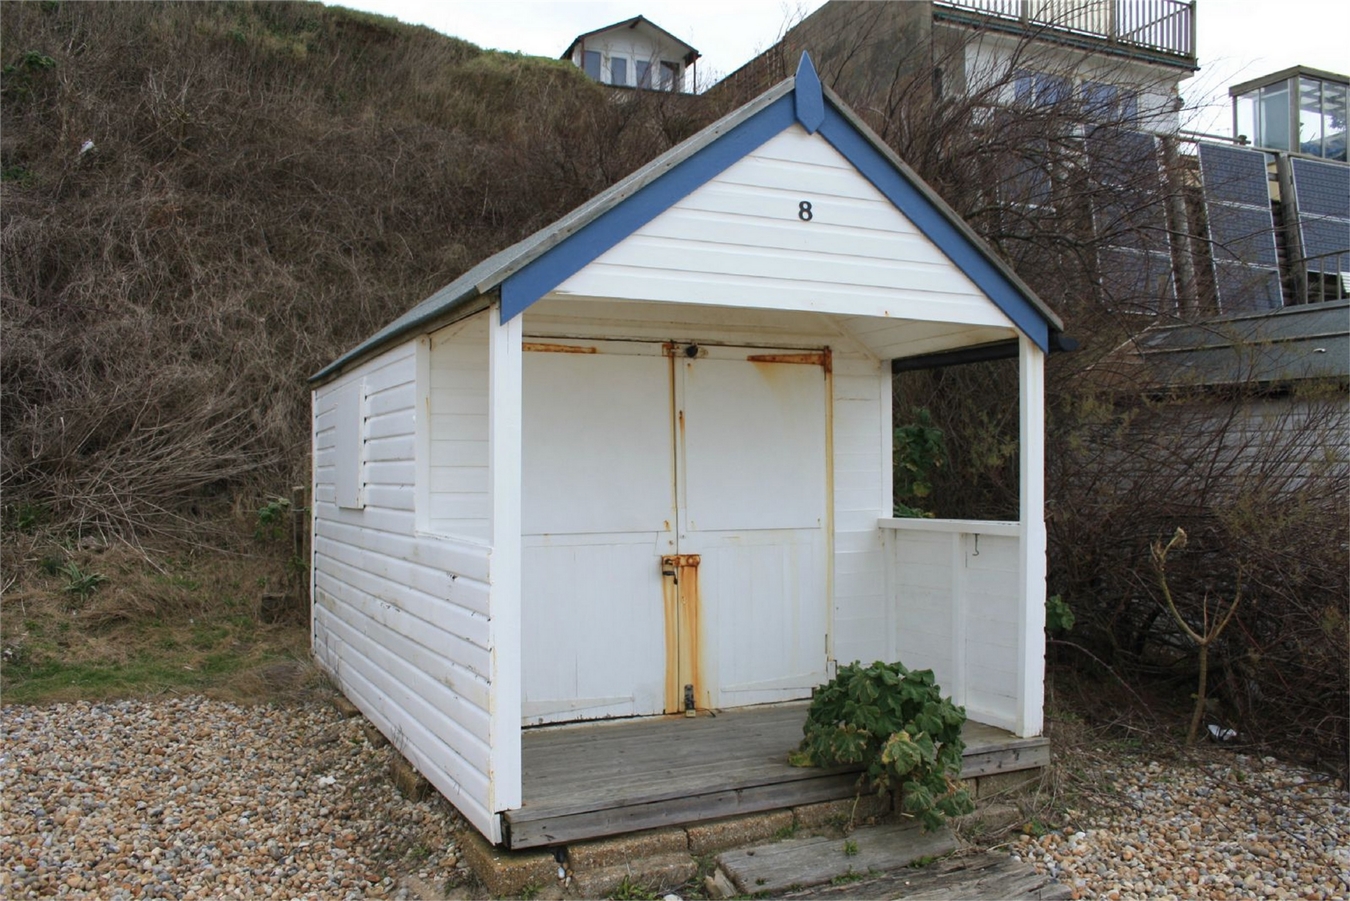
column 194, row 798
column 1221, row 826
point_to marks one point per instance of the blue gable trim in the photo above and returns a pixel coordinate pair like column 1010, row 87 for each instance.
column 934, row 223
column 810, row 97
column 571, row 255
column 804, row 105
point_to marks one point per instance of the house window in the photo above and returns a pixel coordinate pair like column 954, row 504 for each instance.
column 670, row 76
column 349, row 454
column 1108, row 103
column 618, row 70
column 1040, row 89
column 644, row 73
column 590, row 63
column 1273, row 117
column 1321, row 118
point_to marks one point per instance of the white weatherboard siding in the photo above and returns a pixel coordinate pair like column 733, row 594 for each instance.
column 741, row 241
column 863, row 611
column 401, row 618
column 457, row 479
column 958, row 595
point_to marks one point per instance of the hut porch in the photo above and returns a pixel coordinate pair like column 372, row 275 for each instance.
column 588, row 780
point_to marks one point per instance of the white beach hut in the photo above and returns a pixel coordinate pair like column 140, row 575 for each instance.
column 639, row 464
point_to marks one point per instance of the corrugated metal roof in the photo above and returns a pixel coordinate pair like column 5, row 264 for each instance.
column 465, row 292
column 1311, row 341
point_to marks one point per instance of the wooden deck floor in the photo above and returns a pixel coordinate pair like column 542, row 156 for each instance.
column 595, row 779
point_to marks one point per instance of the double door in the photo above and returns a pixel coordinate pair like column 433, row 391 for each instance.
column 675, row 538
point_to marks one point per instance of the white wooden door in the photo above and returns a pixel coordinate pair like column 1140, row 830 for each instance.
column 752, row 497
column 598, row 511
column 634, row 452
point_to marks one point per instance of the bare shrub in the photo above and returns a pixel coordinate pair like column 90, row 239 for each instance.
column 264, row 184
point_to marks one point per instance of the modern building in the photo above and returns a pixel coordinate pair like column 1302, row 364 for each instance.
column 1122, row 59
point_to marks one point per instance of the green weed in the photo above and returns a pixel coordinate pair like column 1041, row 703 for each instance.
column 631, row 890
column 81, row 583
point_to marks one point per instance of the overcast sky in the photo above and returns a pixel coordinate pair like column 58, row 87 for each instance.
column 1238, row 39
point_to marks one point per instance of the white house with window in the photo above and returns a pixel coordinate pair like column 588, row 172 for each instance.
column 635, row 53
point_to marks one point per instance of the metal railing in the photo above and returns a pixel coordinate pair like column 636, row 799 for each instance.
column 1159, row 26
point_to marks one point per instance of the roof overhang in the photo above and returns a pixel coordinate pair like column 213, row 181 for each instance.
column 527, row 271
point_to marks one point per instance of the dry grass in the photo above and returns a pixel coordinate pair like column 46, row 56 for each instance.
column 102, row 620
column 267, row 184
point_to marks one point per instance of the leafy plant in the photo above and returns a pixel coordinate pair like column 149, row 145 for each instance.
column 272, row 519
column 920, row 450
column 79, row 582
column 895, row 723
column 1058, row 616
column 850, row 848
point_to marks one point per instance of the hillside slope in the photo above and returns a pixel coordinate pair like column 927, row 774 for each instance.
column 204, row 202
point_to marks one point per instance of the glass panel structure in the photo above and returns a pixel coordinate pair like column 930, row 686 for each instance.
column 1300, row 110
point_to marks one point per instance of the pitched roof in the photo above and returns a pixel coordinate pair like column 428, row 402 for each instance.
column 1309, row 341
column 689, row 56
column 529, row 269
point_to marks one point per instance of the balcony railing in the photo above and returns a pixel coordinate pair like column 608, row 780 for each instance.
column 1164, row 27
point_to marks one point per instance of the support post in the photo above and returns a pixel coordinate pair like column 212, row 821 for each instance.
column 504, row 625
column 1031, row 464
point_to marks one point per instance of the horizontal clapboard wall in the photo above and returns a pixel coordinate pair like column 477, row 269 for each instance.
column 792, row 226
column 400, row 617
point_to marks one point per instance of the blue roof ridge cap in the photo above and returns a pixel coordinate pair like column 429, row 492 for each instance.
column 943, row 207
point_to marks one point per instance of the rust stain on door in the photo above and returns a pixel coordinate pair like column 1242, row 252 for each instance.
column 679, row 587
column 536, row 347
column 821, row 358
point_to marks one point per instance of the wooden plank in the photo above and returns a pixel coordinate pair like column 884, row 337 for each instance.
column 1007, row 760
column 675, row 811
column 804, row 862
column 987, row 875
column 579, row 777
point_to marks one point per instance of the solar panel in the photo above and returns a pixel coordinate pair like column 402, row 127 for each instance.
column 1137, row 281
column 1241, row 227
column 1324, row 236
column 1243, row 234
column 1129, row 214
column 1248, row 289
column 1234, row 175
column 1322, row 192
column 1323, row 189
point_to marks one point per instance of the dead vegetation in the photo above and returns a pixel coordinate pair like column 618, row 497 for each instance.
column 205, row 202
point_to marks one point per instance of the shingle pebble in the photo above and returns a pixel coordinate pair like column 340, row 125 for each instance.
column 1217, row 826
column 192, row 798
